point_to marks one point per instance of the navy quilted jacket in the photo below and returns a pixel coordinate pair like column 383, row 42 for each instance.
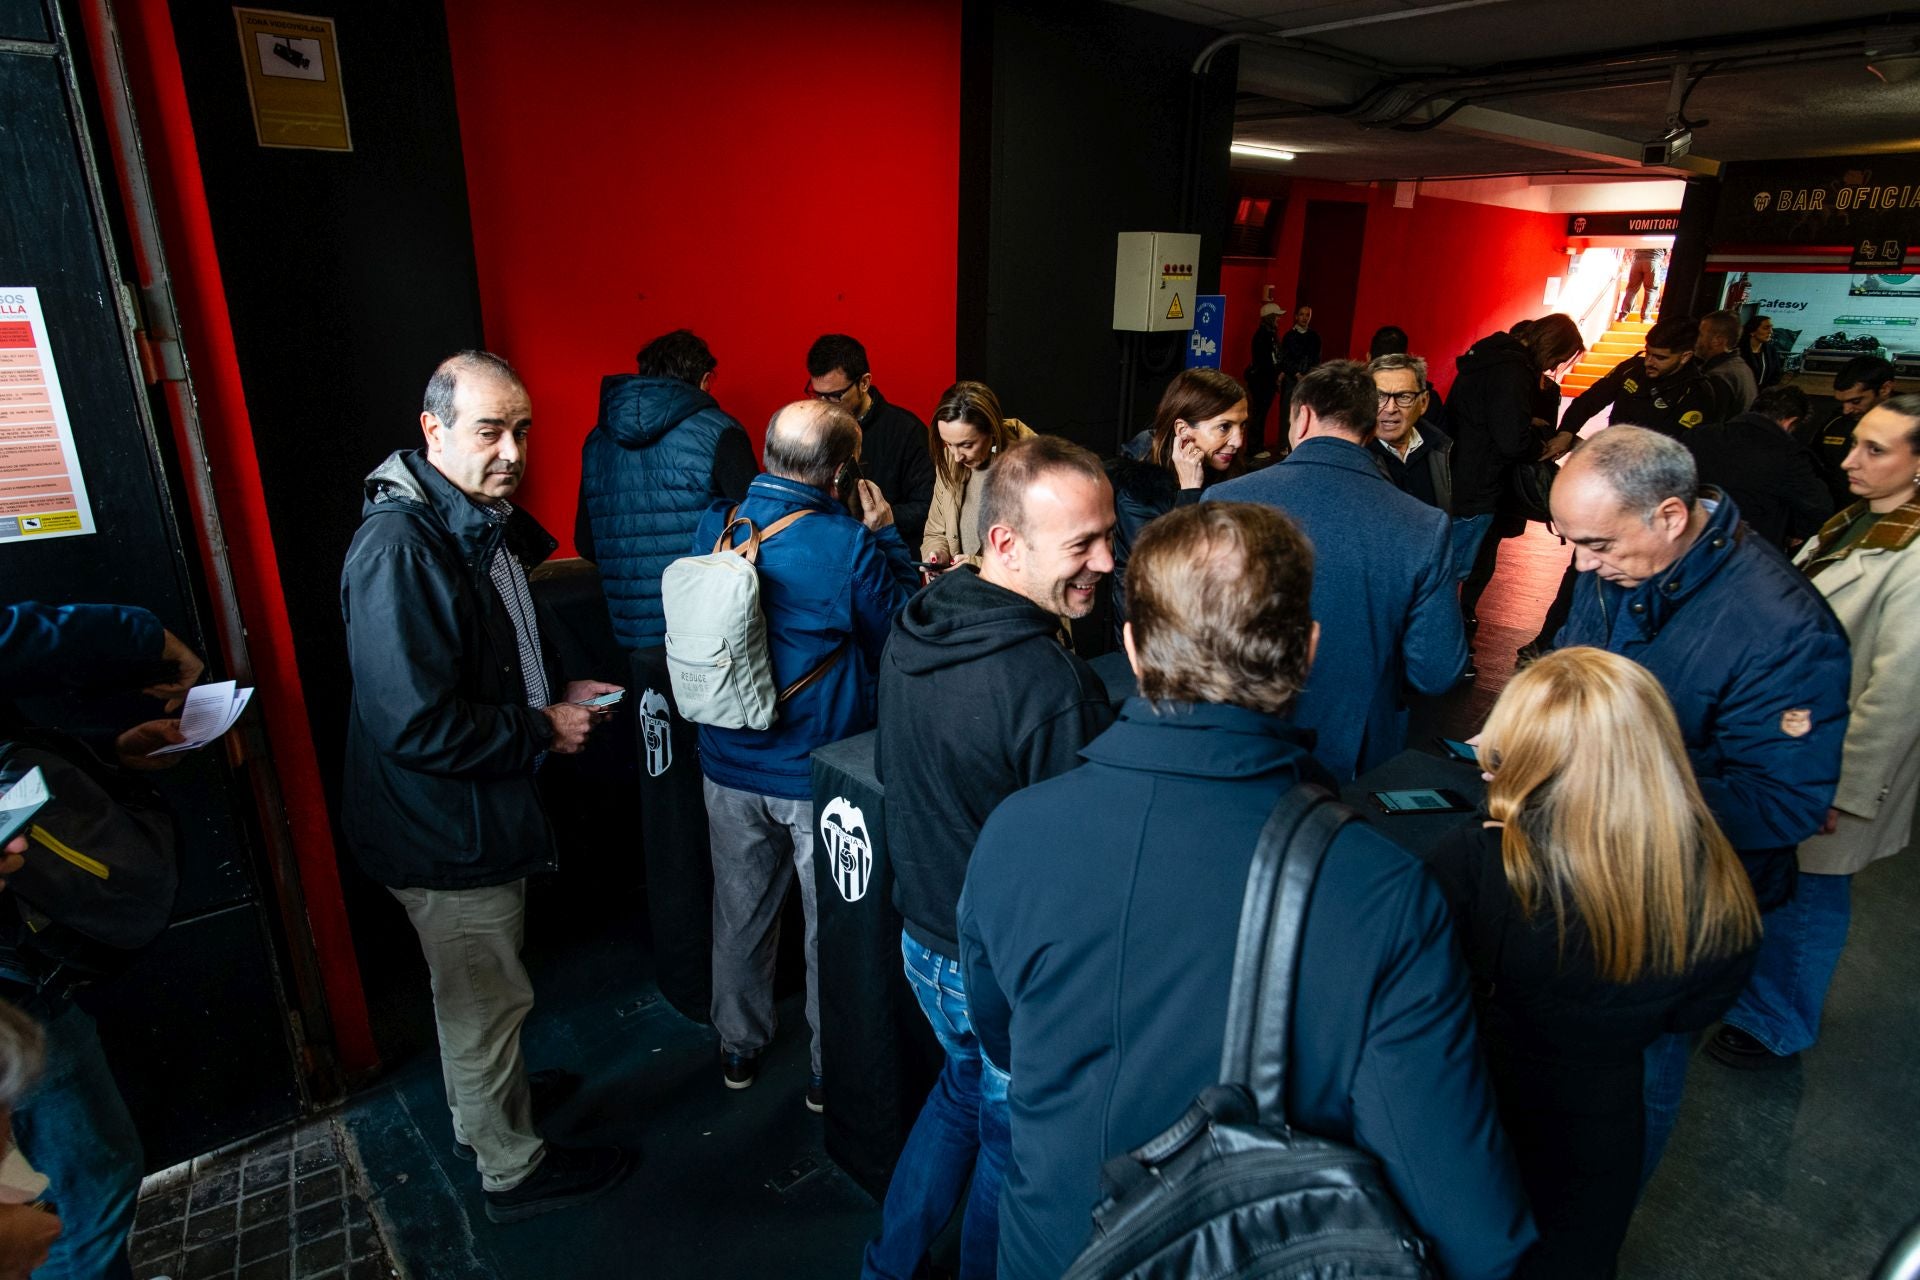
column 646, row 478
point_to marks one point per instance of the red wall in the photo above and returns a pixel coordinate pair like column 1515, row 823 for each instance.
column 1446, row 271
column 760, row 174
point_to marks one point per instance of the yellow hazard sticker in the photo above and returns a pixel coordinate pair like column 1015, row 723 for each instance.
column 1174, row 311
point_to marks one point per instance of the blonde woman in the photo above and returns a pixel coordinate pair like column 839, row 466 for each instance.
column 968, row 431
column 1865, row 564
column 1600, row 908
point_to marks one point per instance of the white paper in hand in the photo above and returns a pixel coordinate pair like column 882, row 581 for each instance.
column 211, row 710
column 22, row 800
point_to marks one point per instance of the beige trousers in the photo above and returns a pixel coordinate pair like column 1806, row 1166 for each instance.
column 471, row 939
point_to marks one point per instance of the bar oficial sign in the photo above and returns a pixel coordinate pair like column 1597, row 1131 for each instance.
column 1828, row 202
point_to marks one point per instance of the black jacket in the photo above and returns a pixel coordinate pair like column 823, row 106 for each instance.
column 1564, row 1048
column 978, row 698
column 1097, row 939
column 1490, row 416
column 1142, row 493
column 1264, row 367
column 1299, row 351
column 1775, row 481
column 1427, row 473
column 1828, row 441
column 438, row 791
column 893, row 454
column 1673, row 405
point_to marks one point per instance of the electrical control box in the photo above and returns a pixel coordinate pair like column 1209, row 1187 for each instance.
column 1154, row 277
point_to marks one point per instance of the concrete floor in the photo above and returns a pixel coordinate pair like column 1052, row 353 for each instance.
column 1802, row 1173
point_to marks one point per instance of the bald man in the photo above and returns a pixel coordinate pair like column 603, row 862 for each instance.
column 830, row 583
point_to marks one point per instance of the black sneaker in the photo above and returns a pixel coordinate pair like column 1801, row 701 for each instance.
column 566, row 1177
column 550, row 1088
column 1732, row 1047
column 817, row 1096
column 738, row 1070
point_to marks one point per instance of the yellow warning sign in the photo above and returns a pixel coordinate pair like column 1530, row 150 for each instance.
column 1174, row 312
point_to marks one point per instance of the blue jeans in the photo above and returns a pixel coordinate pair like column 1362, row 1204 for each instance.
column 1664, row 1081
column 1781, row 1005
column 1468, row 533
column 961, row 1129
column 74, row 1128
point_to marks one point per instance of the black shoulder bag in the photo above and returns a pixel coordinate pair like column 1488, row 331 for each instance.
column 1232, row 1190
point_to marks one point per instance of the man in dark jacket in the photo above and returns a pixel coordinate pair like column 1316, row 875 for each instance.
column 978, row 698
column 1754, row 661
column 1714, row 350
column 1768, row 473
column 455, row 704
column 894, row 451
column 1299, row 353
column 1417, row 455
column 1863, row 383
column 660, row 454
column 1662, row 388
column 829, row 587
column 1263, row 376
column 1101, row 910
column 1385, row 585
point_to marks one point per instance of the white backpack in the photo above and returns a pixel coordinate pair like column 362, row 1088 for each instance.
column 717, row 656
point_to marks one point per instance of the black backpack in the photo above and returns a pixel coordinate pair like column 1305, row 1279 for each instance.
column 101, row 871
column 1230, row 1190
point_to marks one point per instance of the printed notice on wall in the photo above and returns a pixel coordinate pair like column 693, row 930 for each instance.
column 293, row 79
column 42, row 493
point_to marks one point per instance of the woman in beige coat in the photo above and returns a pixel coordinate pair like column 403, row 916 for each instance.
column 1867, row 565
column 967, row 432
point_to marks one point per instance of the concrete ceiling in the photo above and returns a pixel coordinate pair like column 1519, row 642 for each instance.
column 1292, row 87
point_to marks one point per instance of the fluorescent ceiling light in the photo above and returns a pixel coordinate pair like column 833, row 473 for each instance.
column 1265, row 153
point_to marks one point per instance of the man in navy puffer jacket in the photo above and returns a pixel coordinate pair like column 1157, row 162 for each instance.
column 1755, row 663
column 662, row 451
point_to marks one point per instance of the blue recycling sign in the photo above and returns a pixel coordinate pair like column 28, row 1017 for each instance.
column 1209, row 330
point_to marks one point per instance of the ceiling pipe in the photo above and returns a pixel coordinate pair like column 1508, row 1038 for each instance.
column 1290, row 33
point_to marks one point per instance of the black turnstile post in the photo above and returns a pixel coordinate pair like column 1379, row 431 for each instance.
column 879, row 1056
column 673, row 838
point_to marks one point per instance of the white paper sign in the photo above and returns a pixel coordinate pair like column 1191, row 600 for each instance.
column 42, row 493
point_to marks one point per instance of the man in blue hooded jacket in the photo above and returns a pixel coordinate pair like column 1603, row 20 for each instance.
column 1754, row 661
column 661, row 453
column 1101, row 909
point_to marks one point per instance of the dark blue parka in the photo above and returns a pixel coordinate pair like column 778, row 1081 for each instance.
column 648, row 471
column 78, row 646
column 1757, row 668
column 1097, row 932
column 824, row 580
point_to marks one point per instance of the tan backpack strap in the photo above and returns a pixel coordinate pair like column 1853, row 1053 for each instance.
column 814, row 675
column 750, row 548
column 784, row 521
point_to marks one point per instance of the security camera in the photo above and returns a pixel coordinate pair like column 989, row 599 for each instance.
column 1667, row 148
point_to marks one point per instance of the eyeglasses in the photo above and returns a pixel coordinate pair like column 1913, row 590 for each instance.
column 830, row 396
column 1404, row 399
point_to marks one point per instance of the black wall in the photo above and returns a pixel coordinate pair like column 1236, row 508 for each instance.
column 1075, row 127
column 348, row 276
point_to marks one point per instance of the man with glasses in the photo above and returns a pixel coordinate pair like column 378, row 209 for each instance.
column 1416, row 455
column 893, row 450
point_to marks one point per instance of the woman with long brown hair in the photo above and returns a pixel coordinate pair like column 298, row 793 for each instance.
column 966, row 432
column 1198, row 436
column 1600, row 908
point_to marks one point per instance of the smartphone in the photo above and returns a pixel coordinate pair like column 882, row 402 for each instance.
column 25, row 794
column 1420, row 800
column 604, row 700
column 1458, row 750
column 846, row 486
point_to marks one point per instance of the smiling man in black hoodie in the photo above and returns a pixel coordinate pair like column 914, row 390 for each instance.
column 978, row 699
